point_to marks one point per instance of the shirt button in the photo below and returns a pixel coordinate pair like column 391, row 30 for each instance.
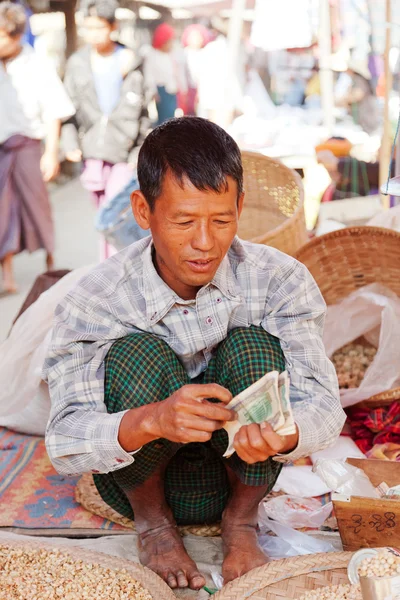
column 209, row 321
column 153, row 316
column 219, row 300
column 185, row 312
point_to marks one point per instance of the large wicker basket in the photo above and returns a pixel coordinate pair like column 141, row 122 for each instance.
column 273, row 212
column 289, row 578
column 151, row 582
column 346, row 260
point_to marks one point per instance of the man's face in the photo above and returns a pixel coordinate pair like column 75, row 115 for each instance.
column 192, row 231
column 98, row 32
column 9, row 45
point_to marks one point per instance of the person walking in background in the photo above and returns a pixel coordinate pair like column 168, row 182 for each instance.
column 32, row 104
column 165, row 72
column 194, row 38
column 105, row 82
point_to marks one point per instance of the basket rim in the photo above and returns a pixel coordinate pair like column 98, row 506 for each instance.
column 147, row 578
column 262, row 577
column 346, row 232
column 299, row 183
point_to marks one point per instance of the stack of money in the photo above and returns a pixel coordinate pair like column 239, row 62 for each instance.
column 266, row 400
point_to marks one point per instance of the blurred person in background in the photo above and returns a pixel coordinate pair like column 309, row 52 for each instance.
column 165, row 72
column 32, row 104
column 105, row 82
column 354, row 92
column 194, row 38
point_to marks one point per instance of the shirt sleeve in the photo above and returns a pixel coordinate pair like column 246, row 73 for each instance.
column 81, row 436
column 295, row 313
column 55, row 102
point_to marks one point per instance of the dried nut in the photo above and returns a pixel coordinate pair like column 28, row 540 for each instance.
column 47, row 574
column 351, row 363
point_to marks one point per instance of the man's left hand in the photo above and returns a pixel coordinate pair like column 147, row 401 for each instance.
column 256, row 443
column 50, row 166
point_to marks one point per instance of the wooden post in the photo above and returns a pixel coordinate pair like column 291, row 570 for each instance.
column 385, row 152
column 326, row 74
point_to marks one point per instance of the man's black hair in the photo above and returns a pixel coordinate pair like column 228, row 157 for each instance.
column 190, row 148
column 104, row 9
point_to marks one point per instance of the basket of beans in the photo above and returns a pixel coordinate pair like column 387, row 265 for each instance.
column 342, row 262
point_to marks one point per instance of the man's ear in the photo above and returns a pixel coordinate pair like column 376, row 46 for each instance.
column 141, row 209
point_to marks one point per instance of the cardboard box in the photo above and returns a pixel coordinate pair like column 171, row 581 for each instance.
column 369, row 522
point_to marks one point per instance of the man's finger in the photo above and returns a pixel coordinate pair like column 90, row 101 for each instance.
column 201, row 424
column 274, row 440
column 256, row 440
column 215, row 412
column 210, row 390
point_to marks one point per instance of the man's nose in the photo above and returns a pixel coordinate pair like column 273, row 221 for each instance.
column 203, row 239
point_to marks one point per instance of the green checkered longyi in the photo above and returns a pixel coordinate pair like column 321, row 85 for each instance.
column 142, row 369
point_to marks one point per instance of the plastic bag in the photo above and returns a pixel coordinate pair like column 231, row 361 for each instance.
column 343, row 448
column 300, row 481
column 372, row 311
column 295, row 542
column 297, row 512
column 344, row 478
column 21, row 360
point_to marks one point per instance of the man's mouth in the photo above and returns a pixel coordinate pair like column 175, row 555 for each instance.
column 201, row 265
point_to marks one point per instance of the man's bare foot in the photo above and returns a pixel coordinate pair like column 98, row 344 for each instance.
column 49, row 261
column 9, row 284
column 242, row 551
column 161, row 549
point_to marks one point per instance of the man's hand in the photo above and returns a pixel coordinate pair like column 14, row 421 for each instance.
column 49, row 166
column 187, row 416
column 256, row 443
column 74, row 156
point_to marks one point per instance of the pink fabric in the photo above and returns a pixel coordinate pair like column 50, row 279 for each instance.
column 163, row 34
column 25, row 213
column 104, row 180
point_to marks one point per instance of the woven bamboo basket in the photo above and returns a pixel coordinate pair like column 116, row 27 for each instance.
column 86, row 495
column 346, row 260
column 289, row 578
column 151, row 582
column 273, row 212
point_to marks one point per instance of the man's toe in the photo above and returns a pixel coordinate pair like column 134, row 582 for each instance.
column 197, row 581
column 182, row 579
column 171, row 580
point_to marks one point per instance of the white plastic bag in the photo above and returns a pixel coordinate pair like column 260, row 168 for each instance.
column 24, row 399
column 300, row 481
column 345, row 479
column 372, row 311
column 298, row 542
column 297, row 512
column 343, row 448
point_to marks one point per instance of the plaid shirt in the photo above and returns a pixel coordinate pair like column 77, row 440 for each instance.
column 254, row 285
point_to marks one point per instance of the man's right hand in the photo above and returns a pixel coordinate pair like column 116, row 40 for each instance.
column 187, row 415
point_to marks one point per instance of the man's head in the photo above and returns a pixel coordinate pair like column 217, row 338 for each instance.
column 12, row 27
column 191, row 196
column 99, row 22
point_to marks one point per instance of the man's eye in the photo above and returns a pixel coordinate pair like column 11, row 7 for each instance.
column 222, row 222
column 185, row 223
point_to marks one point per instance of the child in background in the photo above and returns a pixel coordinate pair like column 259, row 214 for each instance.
column 106, row 84
column 165, row 72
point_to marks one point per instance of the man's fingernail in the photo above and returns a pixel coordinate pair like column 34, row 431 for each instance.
column 264, row 425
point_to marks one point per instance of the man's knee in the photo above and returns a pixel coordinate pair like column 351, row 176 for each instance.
column 247, row 344
column 140, row 369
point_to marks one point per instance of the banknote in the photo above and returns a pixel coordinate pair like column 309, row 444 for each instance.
column 265, row 400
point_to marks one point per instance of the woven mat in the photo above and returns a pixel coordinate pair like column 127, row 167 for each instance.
column 289, row 578
column 35, row 498
column 87, row 495
column 147, row 578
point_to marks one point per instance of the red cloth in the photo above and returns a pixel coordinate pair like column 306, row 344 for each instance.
column 376, row 426
column 163, row 34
